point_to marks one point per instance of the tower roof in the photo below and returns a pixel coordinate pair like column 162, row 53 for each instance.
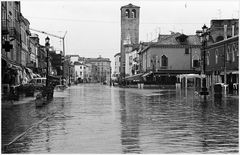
column 130, row 6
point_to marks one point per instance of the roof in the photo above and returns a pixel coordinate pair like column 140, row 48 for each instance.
column 25, row 20
column 78, row 63
column 99, row 59
column 73, row 55
column 174, row 40
column 130, row 6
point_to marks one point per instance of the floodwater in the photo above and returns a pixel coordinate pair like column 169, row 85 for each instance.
column 94, row 118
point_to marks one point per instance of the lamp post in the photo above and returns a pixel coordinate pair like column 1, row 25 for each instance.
column 69, row 74
column 47, row 44
column 204, row 36
column 110, row 76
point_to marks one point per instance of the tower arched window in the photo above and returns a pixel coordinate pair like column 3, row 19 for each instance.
column 164, row 61
column 127, row 13
column 133, row 13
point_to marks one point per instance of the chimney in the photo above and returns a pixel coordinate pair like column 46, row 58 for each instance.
column 233, row 30
column 225, row 32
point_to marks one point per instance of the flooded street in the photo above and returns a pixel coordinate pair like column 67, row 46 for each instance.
column 94, row 118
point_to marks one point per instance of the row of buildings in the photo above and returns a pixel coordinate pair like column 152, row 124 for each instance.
column 163, row 60
column 89, row 70
column 22, row 55
column 24, row 58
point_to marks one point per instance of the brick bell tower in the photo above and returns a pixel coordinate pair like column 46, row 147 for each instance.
column 129, row 31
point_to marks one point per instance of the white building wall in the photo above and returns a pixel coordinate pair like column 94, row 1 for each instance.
column 129, row 62
column 117, row 65
column 74, row 58
column 79, row 71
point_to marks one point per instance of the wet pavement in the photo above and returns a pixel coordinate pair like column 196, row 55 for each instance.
column 94, row 118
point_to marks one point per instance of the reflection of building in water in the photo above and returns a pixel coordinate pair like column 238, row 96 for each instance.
column 130, row 125
column 215, row 132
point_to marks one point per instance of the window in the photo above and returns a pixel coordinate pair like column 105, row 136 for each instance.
column 195, row 63
column 195, row 60
column 80, row 73
column 133, row 13
column 80, row 67
column 127, row 13
column 207, row 57
column 130, row 60
column 233, row 53
column 186, row 50
column 216, row 56
column 236, row 49
column 39, row 81
column 228, row 51
column 164, row 61
column 219, row 38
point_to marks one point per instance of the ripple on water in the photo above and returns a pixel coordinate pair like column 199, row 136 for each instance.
column 100, row 119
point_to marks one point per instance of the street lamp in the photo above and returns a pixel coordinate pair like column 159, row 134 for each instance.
column 69, row 74
column 204, row 36
column 47, row 44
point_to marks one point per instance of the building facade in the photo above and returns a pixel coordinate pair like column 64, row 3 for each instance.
column 220, row 26
column 11, row 32
column 176, row 54
column 222, row 53
column 25, row 34
column 80, row 72
column 103, row 66
column 33, row 48
column 131, row 60
column 117, row 58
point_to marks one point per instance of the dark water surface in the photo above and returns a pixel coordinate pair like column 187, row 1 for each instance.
column 101, row 119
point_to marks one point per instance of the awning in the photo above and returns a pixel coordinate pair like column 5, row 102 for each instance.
column 191, row 76
column 235, row 72
column 137, row 77
column 230, row 72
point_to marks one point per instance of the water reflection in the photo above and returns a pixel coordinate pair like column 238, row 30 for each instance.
column 100, row 119
column 130, row 123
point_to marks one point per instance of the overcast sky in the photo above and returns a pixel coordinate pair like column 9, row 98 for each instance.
column 93, row 27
